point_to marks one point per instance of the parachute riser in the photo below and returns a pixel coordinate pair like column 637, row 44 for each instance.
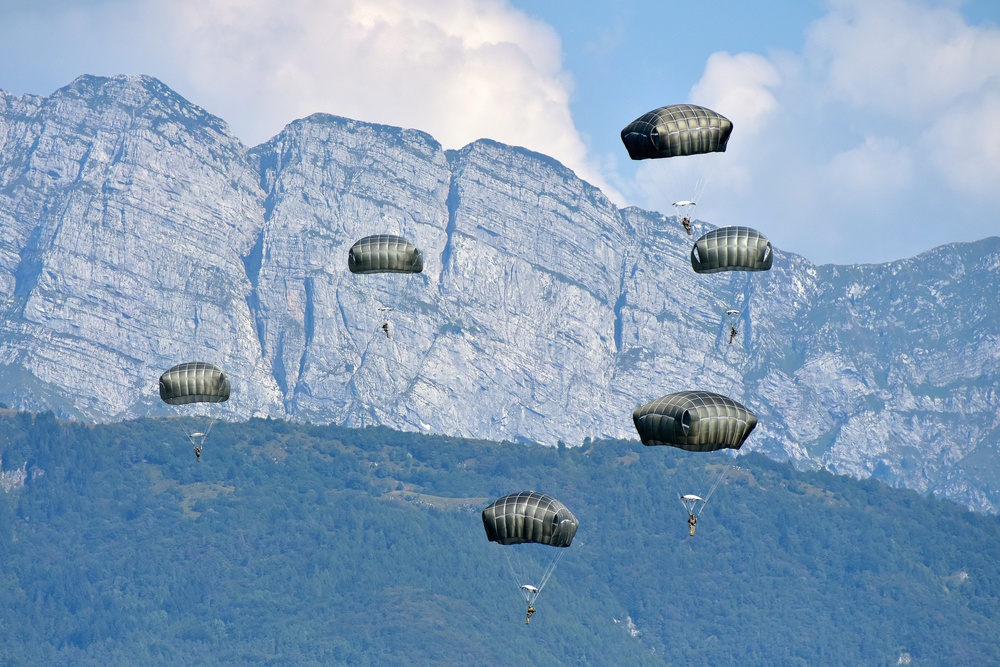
column 197, row 439
column 519, row 571
column 718, row 481
column 691, row 504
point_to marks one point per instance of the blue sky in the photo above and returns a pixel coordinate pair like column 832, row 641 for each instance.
column 865, row 130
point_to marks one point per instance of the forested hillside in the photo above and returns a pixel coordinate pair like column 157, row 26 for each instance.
column 298, row 545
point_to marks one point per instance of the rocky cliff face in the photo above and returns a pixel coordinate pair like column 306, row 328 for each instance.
column 139, row 233
column 125, row 211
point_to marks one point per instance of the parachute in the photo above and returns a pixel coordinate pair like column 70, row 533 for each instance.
column 698, row 421
column 526, row 519
column 680, row 130
column 731, row 249
column 384, row 253
column 529, row 517
column 676, row 130
column 736, row 248
column 195, row 382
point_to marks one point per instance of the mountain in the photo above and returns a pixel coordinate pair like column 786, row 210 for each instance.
column 139, row 233
column 294, row 544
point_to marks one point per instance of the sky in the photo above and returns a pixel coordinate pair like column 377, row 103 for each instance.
column 864, row 130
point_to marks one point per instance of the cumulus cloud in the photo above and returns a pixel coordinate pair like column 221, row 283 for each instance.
column 963, row 145
column 739, row 87
column 901, row 58
column 877, row 167
column 458, row 69
column 853, row 146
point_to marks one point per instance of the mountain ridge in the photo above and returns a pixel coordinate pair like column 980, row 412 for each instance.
column 139, row 232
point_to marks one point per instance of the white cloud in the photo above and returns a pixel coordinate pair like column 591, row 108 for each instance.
column 964, row 147
column 739, row 87
column 872, row 170
column 852, row 147
column 458, row 69
column 901, row 57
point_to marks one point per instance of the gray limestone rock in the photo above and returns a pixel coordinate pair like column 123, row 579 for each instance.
column 140, row 233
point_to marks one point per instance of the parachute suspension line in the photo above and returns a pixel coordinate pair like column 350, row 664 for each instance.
column 518, row 572
column 740, row 303
column 690, row 501
column 733, row 321
column 368, row 293
column 702, row 183
column 716, row 485
column 704, row 501
column 699, row 188
column 726, row 385
column 742, row 296
column 514, row 572
column 549, row 571
column 198, row 439
column 375, row 347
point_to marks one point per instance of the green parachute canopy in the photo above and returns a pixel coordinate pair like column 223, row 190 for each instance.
column 383, row 253
column 676, row 130
column 698, row 421
column 731, row 249
column 194, row 382
column 529, row 517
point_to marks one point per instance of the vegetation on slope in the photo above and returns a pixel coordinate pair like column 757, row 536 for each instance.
column 298, row 545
